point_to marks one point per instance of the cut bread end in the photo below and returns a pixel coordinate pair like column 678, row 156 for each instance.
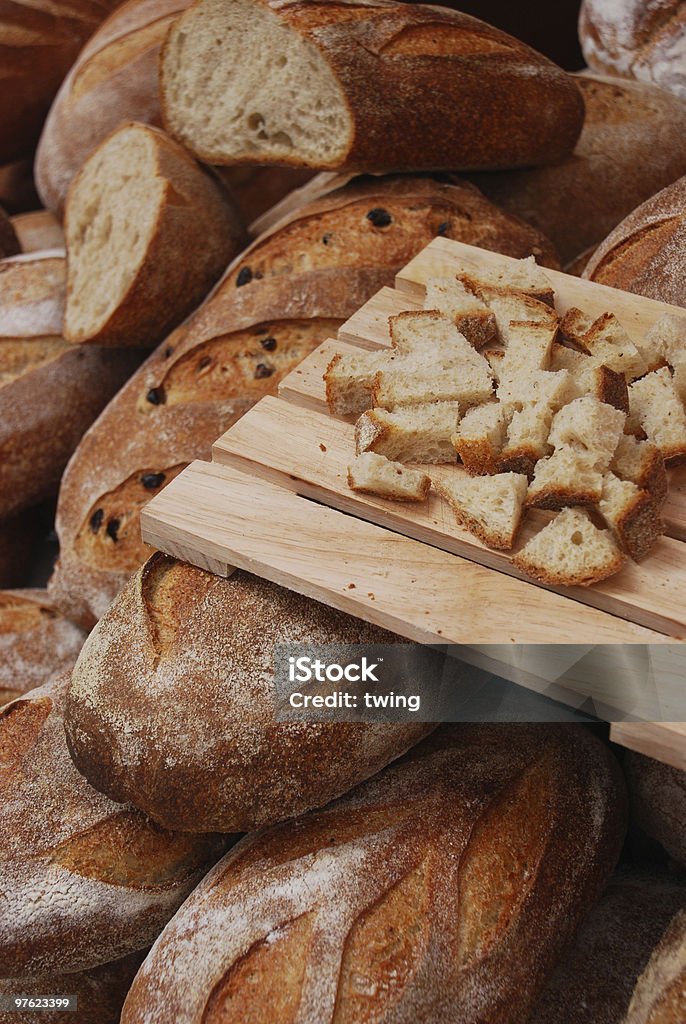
column 371, row 473
column 570, row 551
column 488, row 506
column 239, row 84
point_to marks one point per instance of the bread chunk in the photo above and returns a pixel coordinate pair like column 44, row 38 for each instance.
column 555, row 389
column 413, row 433
column 567, row 477
column 631, row 515
column 375, row 474
column 609, row 343
column 480, row 437
column 590, row 425
column 522, row 276
column 655, row 404
column 527, row 439
column 471, row 316
column 488, row 506
column 641, row 462
column 349, row 379
column 570, row 551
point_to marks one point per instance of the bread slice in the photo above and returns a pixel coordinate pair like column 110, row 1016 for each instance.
column 471, row 316
column 480, row 437
column 393, row 389
column 349, row 379
column 641, row 462
column 590, row 425
column 527, row 439
column 570, row 551
column 488, row 506
column 433, row 341
column 148, row 232
column 375, row 474
column 523, row 276
column 655, row 404
column 631, row 515
column 567, row 477
column 414, row 433
column 608, row 342
column 555, row 389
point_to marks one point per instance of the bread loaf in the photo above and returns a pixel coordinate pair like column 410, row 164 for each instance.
column 100, row 993
column 84, row 881
column 38, row 230
column 594, row 982
column 367, row 85
column 645, row 253
column 657, row 794
column 641, row 39
column 442, row 890
column 143, row 215
column 39, row 41
column 632, row 145
column 281, row 299
column 36, row 643
column 660, row 993
column 172, row 703
column 9, row 243
column 50, row 391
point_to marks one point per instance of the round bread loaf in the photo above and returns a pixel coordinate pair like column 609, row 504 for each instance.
column 632, row 145
column 657, row 795
column 594, row 982
column 443, row 891
column 172, row 703
column 641, row 39
column 646, row 253
column 277, row 302
column 84, row 881
column 36, row 642
column 660, row 993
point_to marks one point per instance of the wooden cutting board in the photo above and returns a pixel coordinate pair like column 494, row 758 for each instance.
column 275, row 501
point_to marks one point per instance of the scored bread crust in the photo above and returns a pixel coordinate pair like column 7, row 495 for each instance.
column 379, row 54
column 660, row 993
column 301, row 280
column 45, row 403
column 194, row 235
column 442, row 890
column 84, row 880
column 36, row 643
column 173, row 702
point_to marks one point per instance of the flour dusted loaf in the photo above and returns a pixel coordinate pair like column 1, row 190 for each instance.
column 371, row 85
column 84, row 880
column 172, row 703
column 287, row 293
column 143, row 216
column 632, row 145
column 657, row 795
column 442, row 890
column 645, row 252
column 594, row 982
column 641, row 39
column 50, row 391
column 100, row 993
column 660, row 993
column 39, row 41
column 36, row 643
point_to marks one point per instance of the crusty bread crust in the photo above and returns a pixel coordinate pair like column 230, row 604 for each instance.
column 411, row 899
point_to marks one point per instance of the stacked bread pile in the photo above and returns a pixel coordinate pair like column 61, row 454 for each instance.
column 386, row 874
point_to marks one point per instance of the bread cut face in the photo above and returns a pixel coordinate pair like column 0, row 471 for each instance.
column 238, row 84
column 570, row 551
column 112, row 218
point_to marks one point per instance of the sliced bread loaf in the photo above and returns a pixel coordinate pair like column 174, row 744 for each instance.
column 570, row 551
column 148, row 233
column 654, row 403
column 375, row 474
column 631, row 515
column 488, row 506
column 414, row 433
column 567, row 477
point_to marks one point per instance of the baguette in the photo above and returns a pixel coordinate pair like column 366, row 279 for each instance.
column 657, row 794
column 442, row 890
column 631, row 146
column 142, row 213
column 39, row 41
column 660, row 993
column 84, row 881
column 50, row 392
column 36, row 644
column 276, row 303
column 176, row 633
column 429, row 69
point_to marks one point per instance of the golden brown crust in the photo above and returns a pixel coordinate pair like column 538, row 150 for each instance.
column 639, row 526
column 197, row 650
column 85, row 881
column 410, row 899
column 558, row 496
column 478, row 456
